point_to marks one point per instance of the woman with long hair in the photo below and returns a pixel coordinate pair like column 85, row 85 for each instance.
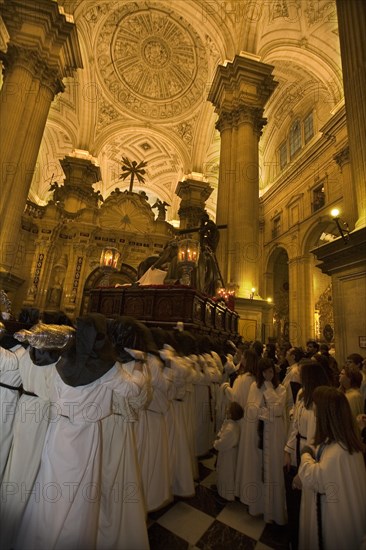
column 246, row 375
column 301, row 433
column 334, row 470
column 262, row 485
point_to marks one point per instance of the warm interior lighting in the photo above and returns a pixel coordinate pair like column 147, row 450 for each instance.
column 109, row 258
column 341, row 225
column 252, row 292
column 269, row 300
column 188, row 254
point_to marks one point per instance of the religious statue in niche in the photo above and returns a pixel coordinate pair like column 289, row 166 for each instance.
column 55, row 292
column 161, row 206
column 281, row 313
column 324, row 306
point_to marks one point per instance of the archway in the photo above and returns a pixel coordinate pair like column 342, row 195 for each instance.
column 101, row 277
column 278, row 287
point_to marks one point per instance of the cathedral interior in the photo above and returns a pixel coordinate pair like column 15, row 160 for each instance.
column 250, row 111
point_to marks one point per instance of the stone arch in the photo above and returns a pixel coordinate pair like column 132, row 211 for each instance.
column 277, row 287
column 312, row 237
column 100, row 277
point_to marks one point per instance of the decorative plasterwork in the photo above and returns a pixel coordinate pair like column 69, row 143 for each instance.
column 152, row 62
column 126, row 212
column 106, row 114
column 318, row 12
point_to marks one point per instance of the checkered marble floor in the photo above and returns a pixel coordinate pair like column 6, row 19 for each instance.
column 207, row 522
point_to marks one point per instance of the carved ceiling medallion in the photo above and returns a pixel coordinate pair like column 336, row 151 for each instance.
column 157, row 64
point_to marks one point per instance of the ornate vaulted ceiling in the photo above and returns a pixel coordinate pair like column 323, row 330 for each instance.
column 148, row 66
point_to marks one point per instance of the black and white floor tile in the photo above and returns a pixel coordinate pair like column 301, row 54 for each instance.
column 207, row 522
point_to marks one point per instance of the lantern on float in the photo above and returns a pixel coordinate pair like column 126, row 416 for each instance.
column 109, row 258
column 188, row 254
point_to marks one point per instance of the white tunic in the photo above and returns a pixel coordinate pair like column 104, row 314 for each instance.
column 341, row 479
column 152, row 439
column 9, row 375
column 239, row 393
column 66, row 515
column 203, row 407
column 183, row 484
column 122, row 518
column 304, row 424
column 227, row 445
column 262, row 482
column 29, row 431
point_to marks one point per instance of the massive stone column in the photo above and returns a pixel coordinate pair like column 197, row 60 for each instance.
column 43, row 49
column 351, row 25
column 239, row 93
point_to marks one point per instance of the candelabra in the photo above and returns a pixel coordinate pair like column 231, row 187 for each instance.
column 109, row 258
column 188, row 254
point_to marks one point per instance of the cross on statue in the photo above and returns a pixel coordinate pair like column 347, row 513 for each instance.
column 208, row 231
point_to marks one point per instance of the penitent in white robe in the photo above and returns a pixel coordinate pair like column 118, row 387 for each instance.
column 182, row 482
column 122, row 518
column 29, row 430
column 227, row 445
column 262, row 482
column 239, row 393
column 304, row 424
column 152, row 439
column 9, row 375
column 68, row 482
column 340, row 478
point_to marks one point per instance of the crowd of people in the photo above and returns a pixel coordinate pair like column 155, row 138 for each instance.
column 108, row 425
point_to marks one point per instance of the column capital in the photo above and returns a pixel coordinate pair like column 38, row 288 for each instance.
column 33, row 62
column 342, row 157
column 250, row 115
column 201, row 190
column 47, row 33
column 244, row 114
column 225, row 121
column 242, row 82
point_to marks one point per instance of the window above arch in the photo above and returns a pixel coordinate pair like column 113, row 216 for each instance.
column 299, row 135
